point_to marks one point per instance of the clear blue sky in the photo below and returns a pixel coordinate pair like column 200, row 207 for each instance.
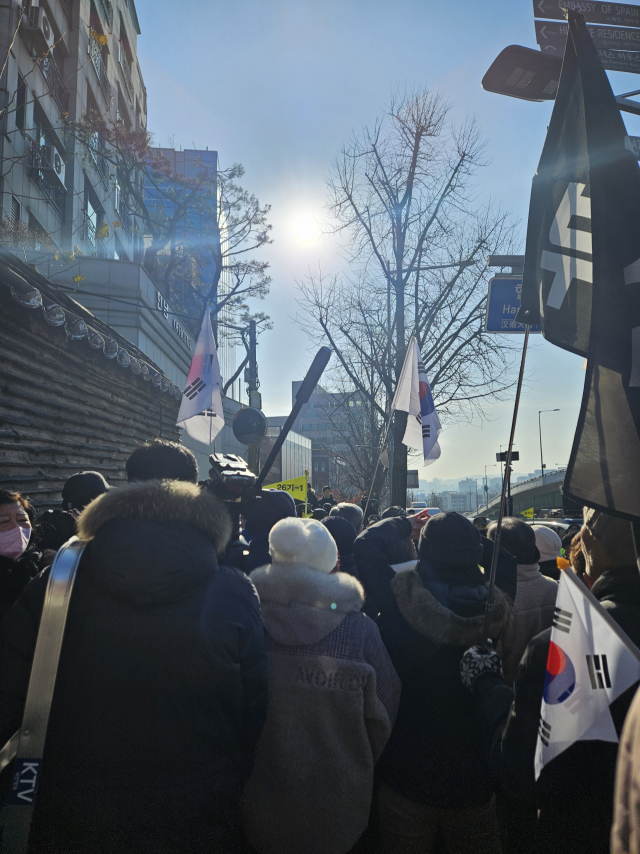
column 278, row 85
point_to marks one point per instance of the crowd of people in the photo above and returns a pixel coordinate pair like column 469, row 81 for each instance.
column 305, row 685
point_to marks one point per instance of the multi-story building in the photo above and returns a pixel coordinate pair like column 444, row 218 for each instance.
column 319, row 420
column 191, row 280
column 68, row 59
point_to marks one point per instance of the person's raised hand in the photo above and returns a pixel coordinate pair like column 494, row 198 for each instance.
column 417, row 524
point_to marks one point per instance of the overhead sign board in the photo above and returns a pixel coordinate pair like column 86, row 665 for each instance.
column 503, row 304
column 607, row 38
column 622, row 14
column 633, row 144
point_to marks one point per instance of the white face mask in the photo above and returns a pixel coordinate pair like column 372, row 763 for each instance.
column 13, row 543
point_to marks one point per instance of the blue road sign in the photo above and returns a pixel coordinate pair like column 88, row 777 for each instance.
column 503, row 304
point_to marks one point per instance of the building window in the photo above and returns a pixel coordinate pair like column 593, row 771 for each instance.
column 322, row 467
column 21, row 104
column 315, row 466
column 15, row 211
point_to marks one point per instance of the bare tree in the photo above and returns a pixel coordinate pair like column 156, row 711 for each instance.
column 401, row 196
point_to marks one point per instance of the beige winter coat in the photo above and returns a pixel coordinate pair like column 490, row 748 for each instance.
column 333, row 698
column 625, row 832
column 535, row 600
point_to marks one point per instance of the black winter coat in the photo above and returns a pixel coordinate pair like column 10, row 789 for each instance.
column 435, row 755
column 161, row 689
column 575, row 791
column 16, row 574
column 376, row 575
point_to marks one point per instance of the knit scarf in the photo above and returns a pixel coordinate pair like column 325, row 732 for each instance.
column 461, row 589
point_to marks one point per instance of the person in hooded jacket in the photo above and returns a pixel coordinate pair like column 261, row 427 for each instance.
column 20, row 556
column 333, row 696
column 161, row 688
column 535, row 595
column 572, row 809
column 387, row 547
column 434, row 773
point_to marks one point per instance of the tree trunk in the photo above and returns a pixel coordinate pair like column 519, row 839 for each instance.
column 399, row 471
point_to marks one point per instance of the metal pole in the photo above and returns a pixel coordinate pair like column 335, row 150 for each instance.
column 496, row 545
column 541, row 460
column 541, row 412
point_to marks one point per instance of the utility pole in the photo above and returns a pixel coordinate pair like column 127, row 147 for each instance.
column 540, row 412
column 255, row 398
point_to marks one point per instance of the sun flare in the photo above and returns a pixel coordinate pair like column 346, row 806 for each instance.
column 307, row 229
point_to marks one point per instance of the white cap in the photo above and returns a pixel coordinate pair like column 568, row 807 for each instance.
column 548, row 542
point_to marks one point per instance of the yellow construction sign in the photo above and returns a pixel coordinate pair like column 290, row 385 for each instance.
column 297, row 487
column 528, row 514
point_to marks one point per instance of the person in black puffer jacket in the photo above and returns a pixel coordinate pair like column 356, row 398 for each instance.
column 434, row 771
column 20, row 556
column 162, row 687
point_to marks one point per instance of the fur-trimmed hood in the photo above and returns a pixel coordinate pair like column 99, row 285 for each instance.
column 153, row 543
column 301, row 605
column 166, row 502
column 430, row 618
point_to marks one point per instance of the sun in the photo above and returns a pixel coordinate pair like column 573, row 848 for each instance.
column 307, row 229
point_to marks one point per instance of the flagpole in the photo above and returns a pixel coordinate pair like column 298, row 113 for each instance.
column 496, row 544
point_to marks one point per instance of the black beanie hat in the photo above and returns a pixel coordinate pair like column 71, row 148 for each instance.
column 81, row 488
column 450, row 538
column 342, row 532
column 518, row 538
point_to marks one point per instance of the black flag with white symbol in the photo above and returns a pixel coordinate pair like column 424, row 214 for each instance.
column 582, row 273
column 558, row 271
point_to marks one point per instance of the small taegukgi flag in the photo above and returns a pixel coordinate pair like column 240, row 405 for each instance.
column 591, row 663
column 413, row 396
column 201, row 413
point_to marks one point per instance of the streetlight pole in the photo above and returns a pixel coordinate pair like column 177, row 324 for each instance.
column 540, row 432
column 486, row 484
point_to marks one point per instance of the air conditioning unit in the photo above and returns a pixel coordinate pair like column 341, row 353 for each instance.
column 40, row 29
column 52, row 161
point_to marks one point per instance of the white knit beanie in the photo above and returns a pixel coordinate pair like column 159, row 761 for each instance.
column 303, row 541
column 548, row 542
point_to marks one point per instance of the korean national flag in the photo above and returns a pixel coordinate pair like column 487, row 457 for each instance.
column 591, row 663
column 201, row 413
column 413, row 396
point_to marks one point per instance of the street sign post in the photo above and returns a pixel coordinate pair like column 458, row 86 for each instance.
column 503, row 304
column 622, row 14
column 604, row 38
column 632, row 143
